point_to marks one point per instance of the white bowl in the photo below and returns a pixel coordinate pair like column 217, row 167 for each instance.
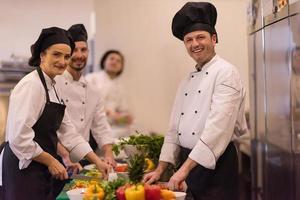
column 76, row 194
column 180, row 195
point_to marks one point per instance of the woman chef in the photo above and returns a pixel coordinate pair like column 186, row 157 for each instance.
column 31, row 168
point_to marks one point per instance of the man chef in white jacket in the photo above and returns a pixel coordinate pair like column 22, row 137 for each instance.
column 208, row 111
column 83, row 103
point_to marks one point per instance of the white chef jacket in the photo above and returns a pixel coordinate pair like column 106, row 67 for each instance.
column 208, row 109
column 85, row 108
column 26, row 104
column 110, row 90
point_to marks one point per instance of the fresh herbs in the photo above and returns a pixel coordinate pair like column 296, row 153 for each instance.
column 111, row 187
column 148, row 145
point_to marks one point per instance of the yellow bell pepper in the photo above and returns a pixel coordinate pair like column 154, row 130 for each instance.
column 94, row 192
column 135, row 192
column 150, row 165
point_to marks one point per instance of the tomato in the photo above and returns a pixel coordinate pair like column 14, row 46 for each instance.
column 121, row 168
column 152, row 192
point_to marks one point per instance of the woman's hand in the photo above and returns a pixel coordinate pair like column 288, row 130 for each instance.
column 57, row 170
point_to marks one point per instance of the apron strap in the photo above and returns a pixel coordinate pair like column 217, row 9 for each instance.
column 2, row 146
column 43, row 82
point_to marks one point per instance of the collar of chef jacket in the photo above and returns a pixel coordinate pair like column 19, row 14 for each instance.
column 205, row 67
column 49, row 82
column 69, row 77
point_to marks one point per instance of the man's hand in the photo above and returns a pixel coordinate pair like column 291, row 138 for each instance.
column 156, row 174
column 151, row 177
column 176, row 182
column 74, row 168
column 110, row 161
column 108, row 155
column 103, row 168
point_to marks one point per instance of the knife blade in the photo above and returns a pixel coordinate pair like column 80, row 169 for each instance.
column 83, row 177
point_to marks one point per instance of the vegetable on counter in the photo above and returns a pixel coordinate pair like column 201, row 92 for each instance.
column 167, row 194
column 111, row 187
column 152, row 192
column 149, row 145
column 94, row 191
column 136, row 168
column 135, row 192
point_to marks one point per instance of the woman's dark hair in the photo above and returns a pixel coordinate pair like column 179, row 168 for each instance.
column 106, row 54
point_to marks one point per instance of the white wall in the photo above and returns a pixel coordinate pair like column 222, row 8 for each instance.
column 155, row 60
column 21, row 21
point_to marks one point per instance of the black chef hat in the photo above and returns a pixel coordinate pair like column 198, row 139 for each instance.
column 48, row 37
column 194, row 16
column 78, row 32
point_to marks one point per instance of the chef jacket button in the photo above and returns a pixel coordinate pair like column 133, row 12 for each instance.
column 196, row 111
column 192, row 76
column 83, row 102
column 81, row 119
column 193, row 133
column 182, row 113
column 199, row 91
column 206, row 72
column 67, row 100
column 66, row 83
column 83, row 86
column 179, row 133
column 185, row 94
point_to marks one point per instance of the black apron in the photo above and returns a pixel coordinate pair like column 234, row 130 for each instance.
column 35, row 181
column 218, row 184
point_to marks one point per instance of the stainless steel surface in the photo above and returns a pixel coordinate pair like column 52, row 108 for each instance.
column 295, row 63
column 275, row 149
column 259, row 143
column 279, row 159
column 252, row 85
column 83, row 177
column 277, row 40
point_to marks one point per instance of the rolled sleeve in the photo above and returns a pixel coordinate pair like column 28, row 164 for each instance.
column 169, row 152
column 80, row 151
column 203, row 155
column 72, row 140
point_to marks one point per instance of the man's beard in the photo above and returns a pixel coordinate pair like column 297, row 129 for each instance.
column 73, row 66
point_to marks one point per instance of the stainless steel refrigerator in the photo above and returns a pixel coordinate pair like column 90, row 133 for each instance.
column 274, row 60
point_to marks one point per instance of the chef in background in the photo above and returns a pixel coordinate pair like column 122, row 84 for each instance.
column 107, row 82
column 208, row 111
column 30, row 166
column 84, row 103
